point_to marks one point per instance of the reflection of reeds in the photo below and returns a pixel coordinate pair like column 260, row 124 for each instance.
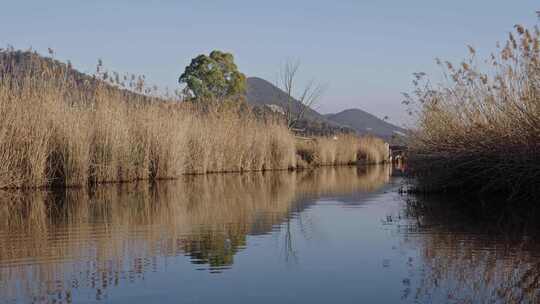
column 478, row 272
column 329, row 181
column 124, row 228
column 475, row 259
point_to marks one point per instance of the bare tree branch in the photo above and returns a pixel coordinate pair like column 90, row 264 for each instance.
column 309, row 96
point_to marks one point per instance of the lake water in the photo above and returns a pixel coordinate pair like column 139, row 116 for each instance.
column 331, row 235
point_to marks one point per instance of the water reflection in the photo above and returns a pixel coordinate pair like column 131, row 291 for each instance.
column 328, row 235
column 469, row 253
column 54, row 243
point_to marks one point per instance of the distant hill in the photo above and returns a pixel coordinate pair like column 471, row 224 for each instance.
column 17, row 65
column 261, row 92
column 366, row 123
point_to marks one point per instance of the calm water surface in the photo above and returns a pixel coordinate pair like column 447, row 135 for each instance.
column 325, row 236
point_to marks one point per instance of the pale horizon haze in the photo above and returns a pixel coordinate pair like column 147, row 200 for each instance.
column 364, row 51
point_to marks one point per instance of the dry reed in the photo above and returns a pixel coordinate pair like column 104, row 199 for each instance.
column 480, row 131
column 61, row 128
column 343, row 149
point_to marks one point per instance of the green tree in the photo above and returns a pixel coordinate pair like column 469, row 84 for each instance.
column 213, row 77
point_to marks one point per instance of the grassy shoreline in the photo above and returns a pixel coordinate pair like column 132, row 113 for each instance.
column 479, row 131
column 61, row 128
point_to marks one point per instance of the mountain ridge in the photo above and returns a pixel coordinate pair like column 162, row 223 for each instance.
column 261, row 92
column 366, row 123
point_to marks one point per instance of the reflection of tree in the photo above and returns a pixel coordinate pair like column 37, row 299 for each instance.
column 125, row 229
column 288, row 248
column 473, row 255
column 215, row 249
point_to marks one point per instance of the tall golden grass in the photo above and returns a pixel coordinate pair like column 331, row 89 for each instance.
column 373, row 150
column 342, row 149
column 60, row 127
column 63, row 129
column 479, row 131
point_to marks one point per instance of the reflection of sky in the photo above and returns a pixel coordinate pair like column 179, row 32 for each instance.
column 365, row 51
column 361, row 198
column 346, row 256
column 337, row 248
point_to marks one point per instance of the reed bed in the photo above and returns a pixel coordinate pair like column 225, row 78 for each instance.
column 63, row 128
column 342, row 149
column 60, row 128
column 373, row 150
column 479, row 130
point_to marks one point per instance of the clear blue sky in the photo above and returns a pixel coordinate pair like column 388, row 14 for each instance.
column 364, row 50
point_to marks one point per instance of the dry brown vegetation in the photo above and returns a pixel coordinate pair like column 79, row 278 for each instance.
column 344, row 149
column 480, row 130
column 60, row 127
